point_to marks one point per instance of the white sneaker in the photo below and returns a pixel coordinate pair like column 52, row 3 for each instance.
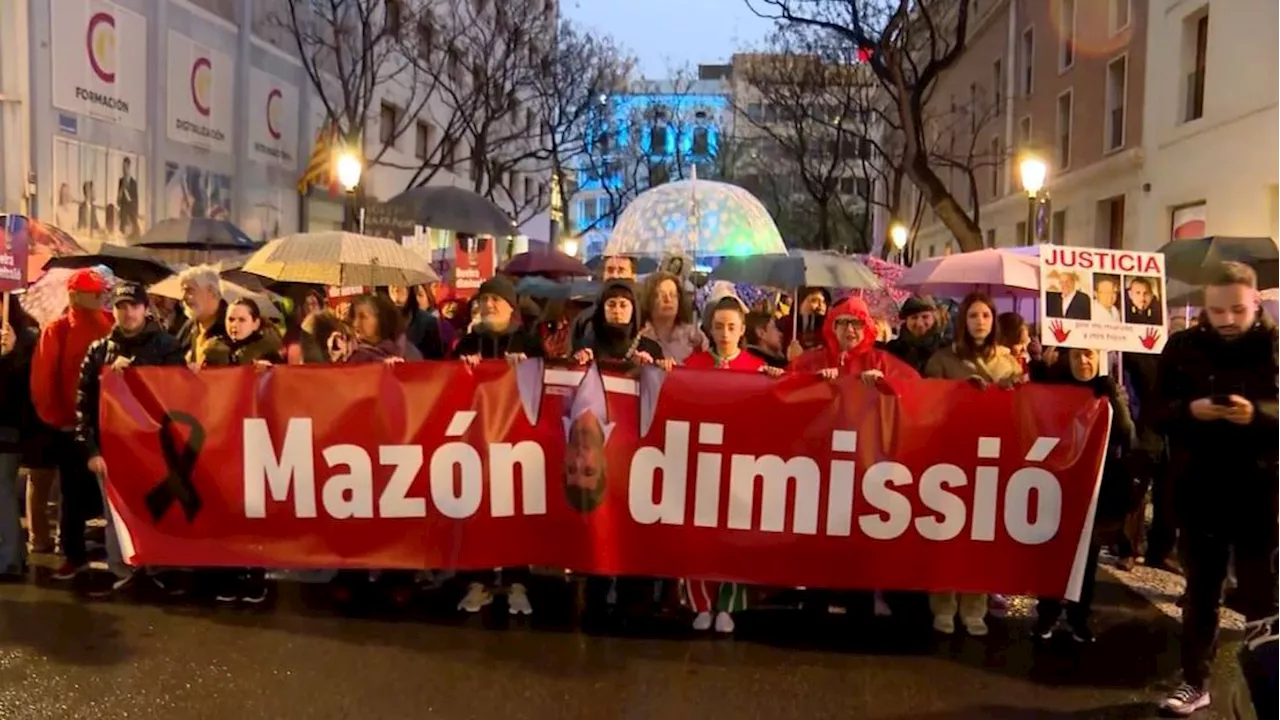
column 724, row 622
column 943, row 624
column 882, row 607
column 976, row 628
column 477, row 597
column 702, row 621
column 518, row 600
column 1186, row 700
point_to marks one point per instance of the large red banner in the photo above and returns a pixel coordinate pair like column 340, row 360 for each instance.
column 789, row 482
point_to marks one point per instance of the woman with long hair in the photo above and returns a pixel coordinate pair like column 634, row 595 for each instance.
column 421, row 328
column 379, row 331
column 975, row 357
column 667, row 313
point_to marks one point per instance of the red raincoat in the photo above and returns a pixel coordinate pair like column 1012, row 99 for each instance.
column 856, row 360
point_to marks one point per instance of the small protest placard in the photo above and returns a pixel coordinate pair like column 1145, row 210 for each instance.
column 1102, row 299
column 14, row 250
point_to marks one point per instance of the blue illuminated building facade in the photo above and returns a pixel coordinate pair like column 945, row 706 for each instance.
column 654, row 132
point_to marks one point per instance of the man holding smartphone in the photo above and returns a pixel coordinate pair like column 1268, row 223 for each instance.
column 1217, row 393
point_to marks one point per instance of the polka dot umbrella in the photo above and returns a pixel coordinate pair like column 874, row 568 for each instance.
column 696, row 218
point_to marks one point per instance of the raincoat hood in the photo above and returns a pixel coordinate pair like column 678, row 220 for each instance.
column 851, row 307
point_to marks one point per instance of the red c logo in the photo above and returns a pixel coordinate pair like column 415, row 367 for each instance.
column 100, row 42
column 201, row 82
column 272, row 97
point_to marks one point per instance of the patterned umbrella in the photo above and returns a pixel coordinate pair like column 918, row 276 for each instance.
column 45, row 241
column 340, row 259
column 697, row 218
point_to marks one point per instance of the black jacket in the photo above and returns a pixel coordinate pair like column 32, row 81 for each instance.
column 422, row 331
column 492, row 346
column 259, row 345
column 1117, row 494
column 614, row 343
column 915, row 351
column 17, row 413
column 777, row 361
column 152, row 346
column 1221, row 470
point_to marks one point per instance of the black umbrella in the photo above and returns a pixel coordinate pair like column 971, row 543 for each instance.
column 455, row 209
column 1191, row 261
column 195, row 234
column 128, row 263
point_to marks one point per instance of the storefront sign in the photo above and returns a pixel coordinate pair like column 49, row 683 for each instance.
column 99, row 53
column 273, row 120
column 1103, row 299
column 200, row 91
column 939, row 486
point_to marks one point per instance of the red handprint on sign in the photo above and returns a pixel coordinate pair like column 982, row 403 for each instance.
column 1149, row 338
column 1059, row 334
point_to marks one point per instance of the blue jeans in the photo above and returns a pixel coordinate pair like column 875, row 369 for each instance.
column 115, row 558
column 13, row 548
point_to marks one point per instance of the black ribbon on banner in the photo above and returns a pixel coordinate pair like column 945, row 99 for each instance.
column 177, row 486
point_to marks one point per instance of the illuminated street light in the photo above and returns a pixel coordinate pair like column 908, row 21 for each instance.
column 349, row 170
column 898, row 235
column 569, row 247
column 1033, row 171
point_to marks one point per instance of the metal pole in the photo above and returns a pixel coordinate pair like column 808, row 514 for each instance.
column 1029, row 238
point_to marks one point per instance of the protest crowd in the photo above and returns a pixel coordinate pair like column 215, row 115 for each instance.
column 1188, row 483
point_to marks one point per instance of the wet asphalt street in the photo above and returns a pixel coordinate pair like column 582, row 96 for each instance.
column 63, row 658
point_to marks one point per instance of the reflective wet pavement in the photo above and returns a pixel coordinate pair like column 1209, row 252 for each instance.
column 63, row 658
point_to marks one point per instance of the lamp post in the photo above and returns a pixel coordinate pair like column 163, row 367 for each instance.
column 349, row 169
column 1033, row 172
column 569, row 246
column 898, row 237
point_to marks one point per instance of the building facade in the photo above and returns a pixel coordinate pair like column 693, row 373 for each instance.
column 649, row 133
column 1210, row 123
column 1063, row 80
column 134, row 111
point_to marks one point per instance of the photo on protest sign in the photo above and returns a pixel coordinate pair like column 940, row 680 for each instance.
column 1102, row 299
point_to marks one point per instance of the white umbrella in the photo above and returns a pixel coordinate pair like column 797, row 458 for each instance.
column 171, row 288
column 961, row 273
column 340, row 259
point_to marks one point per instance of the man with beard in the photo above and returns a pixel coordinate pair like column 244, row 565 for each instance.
column 136, row 340
column 919, row 337
column 498, row 333
column 1143, row 306
column 1217, row 388
column 206, row 312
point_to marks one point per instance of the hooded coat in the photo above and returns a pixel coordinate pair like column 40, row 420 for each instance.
column 619, row 343
column 856, row 360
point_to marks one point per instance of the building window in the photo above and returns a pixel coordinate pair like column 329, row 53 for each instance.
column 701, row 141
column 1021, row 234
column 659, row 174
column 1196, row 35
column 846, row 186
column 862, row 187
column 455, row 67
column 864, row 149
column 754, row 112
column 1066, row 34
column 997, row 167
column 528, row 189
column 1024, row 133
column 422, row 142
column 1119, row 15
column 991, row 238
column 1064, row 130
column 1027, row 61
column 388, row 118
column 393, row 15
column 1058, row 228
column 658, row 140
column 1117, row 87
column 997, row 84
column 528, row 122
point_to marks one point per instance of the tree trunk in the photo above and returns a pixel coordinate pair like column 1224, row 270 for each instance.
column 962, row 227
column 824, row 224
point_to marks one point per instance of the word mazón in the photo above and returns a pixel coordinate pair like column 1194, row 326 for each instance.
column 658, row 485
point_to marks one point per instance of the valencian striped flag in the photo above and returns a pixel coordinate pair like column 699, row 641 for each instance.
column 320, row 167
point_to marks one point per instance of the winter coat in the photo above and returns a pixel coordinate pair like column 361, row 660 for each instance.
column 1118, row 492
column 151, row 346
column 857, row 360
column 770, row 359
column 17, row 413
column 262, row 344
column 515, row 340
column 195, row 341
column 55, row 367
column 685, row 340
column 916, row 351
column 422, row 331
column 1223, row 471
column 948, row 365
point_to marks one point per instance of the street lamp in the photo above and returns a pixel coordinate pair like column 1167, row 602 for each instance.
column 898, row 235
column 569, row 247
column 349, row 170
column 1033, row 172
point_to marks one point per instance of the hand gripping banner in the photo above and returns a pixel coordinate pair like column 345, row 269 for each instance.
column 797, row 481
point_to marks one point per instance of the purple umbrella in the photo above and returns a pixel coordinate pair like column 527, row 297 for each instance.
column 550, row 263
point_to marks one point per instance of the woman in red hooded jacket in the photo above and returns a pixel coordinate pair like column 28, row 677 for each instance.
column 849, row 348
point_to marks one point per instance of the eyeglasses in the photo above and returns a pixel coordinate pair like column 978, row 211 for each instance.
column 843, row 323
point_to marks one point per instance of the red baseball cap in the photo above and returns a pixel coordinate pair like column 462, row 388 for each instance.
column 87, row 281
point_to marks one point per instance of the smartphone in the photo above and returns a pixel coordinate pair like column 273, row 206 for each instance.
column 1223, row 400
